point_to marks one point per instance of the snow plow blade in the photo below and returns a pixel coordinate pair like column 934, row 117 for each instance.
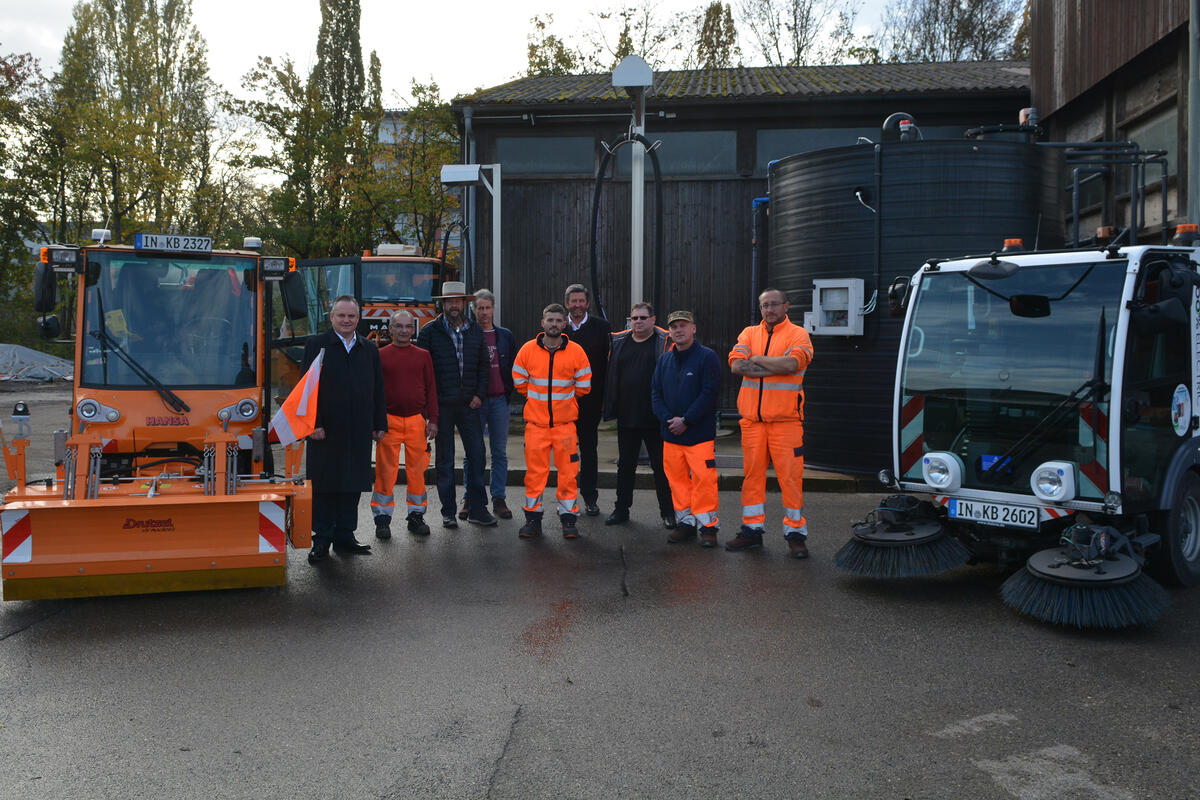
column 53, row 548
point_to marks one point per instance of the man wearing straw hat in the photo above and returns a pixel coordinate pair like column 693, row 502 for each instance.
column 460, row 368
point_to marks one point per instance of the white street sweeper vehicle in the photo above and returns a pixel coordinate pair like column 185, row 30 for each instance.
column 1046, row 411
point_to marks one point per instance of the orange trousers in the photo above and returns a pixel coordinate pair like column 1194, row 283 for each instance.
column 409, row 433
column 540, row 442
column 780, row 444
column 692, row 473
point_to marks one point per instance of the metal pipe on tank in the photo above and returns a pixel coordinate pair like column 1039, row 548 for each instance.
column 878, row 200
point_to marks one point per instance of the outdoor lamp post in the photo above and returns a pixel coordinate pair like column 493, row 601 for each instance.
column 472, row 175
column 634, row 75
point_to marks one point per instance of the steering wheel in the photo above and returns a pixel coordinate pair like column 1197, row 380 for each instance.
column 203, row 331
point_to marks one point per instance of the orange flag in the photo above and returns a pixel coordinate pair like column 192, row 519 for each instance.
column 297, row 417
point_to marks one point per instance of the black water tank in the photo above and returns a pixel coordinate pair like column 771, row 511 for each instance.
column 929, row 199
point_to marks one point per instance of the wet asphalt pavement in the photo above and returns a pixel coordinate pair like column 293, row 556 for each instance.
column 476, row 665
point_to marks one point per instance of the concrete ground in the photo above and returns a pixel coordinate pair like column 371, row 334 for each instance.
column 473, row 664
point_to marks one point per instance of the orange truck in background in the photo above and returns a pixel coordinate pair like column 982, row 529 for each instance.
column 163, row 479
column 393, row 277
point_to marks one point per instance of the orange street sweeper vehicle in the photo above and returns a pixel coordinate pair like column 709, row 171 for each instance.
column 163, row 479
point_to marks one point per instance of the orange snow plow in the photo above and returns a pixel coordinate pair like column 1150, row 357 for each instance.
column 164, row 480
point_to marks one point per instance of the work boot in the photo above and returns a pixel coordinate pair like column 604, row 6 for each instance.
column 683, row 531
column 383, row 527
column 708, row 536
column 466, row 510
column 417, row 526
column 500, row 508
column 568, row 526
column 747, row 539
column 798, row 545
column 532, row 528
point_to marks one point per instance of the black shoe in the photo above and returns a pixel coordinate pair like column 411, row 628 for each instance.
column 532, row 529
column 747, row 538
column 449, row 521
column 465, row 512
column 591, row 509
column 619, row 516
column 383, row 527
column 668, row 521
column 319, row 552
column 417, row 526
column 570, row 531
column 482, row 517
column 351, row 547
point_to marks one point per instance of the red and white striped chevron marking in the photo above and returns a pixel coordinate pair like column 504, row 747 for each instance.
column 272, row 526
column 1093, row 430
column 912, row 436
column 1045, row 513
column 16, row 532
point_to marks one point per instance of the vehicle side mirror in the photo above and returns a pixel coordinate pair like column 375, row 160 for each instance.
column 45, row 285
column 1159, row 317
column 295, row 300
column 49, row 327
column 898, row 295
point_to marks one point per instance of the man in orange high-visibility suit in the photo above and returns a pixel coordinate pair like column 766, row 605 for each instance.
column 551, row 371
column 408, row 383
column 771, row 358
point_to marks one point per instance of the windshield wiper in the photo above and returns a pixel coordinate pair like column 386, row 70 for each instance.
column 1093, row 387
column 169, row 397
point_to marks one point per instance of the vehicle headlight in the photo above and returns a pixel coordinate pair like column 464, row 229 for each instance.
column 247, row 409
column 1054, row 481
column 942, row 471
column 90, row 410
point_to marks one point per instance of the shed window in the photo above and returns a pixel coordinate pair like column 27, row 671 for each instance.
column 546, row 155
column 687, row 153
column 1155, row 132
column 780, row 143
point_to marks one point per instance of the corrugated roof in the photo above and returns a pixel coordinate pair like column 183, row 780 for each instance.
column 765, row 83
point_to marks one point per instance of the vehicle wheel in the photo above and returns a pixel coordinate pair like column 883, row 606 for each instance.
column 1178, row 559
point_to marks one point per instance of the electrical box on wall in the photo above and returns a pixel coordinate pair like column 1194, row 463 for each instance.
column 837, row 307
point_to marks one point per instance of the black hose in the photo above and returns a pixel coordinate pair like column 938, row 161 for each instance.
column 623, row 139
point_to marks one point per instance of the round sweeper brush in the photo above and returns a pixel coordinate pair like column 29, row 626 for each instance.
column 1093, row 587
column 898, row 540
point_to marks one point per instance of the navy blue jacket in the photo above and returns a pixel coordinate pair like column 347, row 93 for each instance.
column 453, row 389
column 686, row 385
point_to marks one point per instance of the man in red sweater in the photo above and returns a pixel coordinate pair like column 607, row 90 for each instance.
column 411, row 412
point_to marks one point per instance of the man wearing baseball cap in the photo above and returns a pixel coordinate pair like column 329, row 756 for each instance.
column 683, row 394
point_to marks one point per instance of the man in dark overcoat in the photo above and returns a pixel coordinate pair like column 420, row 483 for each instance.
column 351, row 414
column 593, row 334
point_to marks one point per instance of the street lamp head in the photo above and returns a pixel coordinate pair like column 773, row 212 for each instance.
column 633, row 75
column 461, row 174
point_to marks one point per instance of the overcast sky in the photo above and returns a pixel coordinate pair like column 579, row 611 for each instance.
column 462, row 45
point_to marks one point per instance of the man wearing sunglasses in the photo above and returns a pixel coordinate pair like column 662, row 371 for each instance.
column 631, row 361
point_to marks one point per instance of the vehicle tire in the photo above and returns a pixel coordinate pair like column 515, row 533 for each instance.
column 1177, row 559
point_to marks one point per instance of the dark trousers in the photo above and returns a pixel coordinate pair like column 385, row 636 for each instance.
column 629, row 447
column 335, row 516
column 470, row 430
column 585, row 429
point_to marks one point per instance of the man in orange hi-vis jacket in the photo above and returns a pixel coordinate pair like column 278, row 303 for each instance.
column 771, row 358
column 551, row 371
